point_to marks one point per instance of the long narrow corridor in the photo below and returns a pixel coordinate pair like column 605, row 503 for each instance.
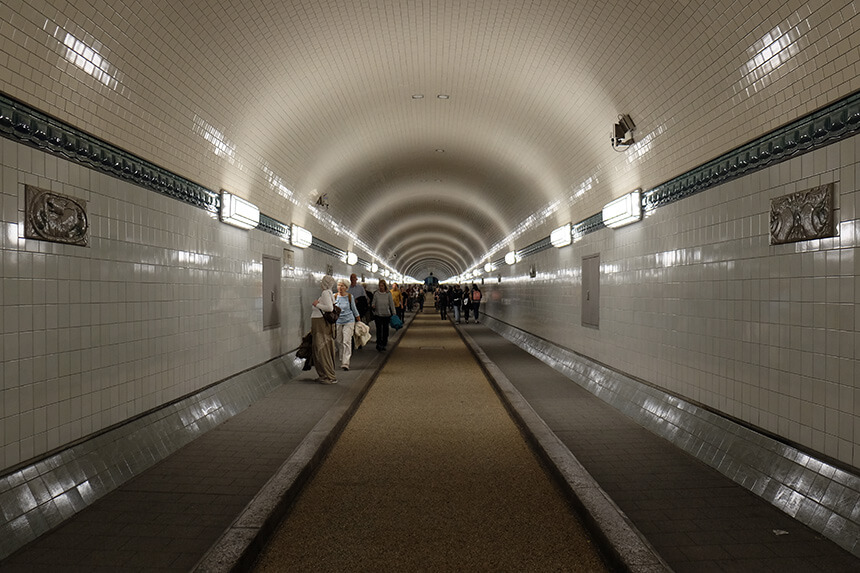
column 431, row 474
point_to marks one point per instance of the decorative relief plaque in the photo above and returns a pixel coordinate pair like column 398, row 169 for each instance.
column 50, row 216
column 802, row 216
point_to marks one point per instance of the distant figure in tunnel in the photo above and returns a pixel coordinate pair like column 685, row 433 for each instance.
column 442, row 302
column 398, row 297
column 323, row 338
column 383, row 308
column 474, row 301
column 456, row 297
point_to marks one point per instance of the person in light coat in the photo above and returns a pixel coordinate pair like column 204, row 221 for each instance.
column 345, row 325
column 321, row 330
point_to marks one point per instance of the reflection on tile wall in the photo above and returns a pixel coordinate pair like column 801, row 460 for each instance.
column 164, row 301
column 695, row 300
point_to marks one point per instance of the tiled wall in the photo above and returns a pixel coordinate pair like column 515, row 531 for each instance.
column 695, row 300
column 164, row 301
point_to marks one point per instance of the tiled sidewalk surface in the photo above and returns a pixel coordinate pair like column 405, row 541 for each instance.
column 168, row 517
column 696, row 518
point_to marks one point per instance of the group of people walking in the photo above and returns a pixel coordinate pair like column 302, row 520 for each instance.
column 459, row 300
column 332, row 341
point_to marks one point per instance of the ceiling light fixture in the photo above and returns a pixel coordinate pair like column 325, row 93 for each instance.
column 238, row 212
column 351, row 258
column 443, row 96
column 300, row 237
column 374, row 267
column 417, row 96
column 624, row 210
column 511, row 258
column 561, row 237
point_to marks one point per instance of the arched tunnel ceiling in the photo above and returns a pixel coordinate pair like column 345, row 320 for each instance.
column 435, row 130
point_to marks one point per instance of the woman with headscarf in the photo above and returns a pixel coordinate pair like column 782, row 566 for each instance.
column 383, row 307
column 323, row 338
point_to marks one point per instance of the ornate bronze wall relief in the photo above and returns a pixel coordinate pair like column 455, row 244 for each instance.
column 51, row 216
column 802, row 216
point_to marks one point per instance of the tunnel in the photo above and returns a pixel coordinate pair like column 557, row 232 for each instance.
column 656, row 200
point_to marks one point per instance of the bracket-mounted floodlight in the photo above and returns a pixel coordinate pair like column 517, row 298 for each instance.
column 622, row 133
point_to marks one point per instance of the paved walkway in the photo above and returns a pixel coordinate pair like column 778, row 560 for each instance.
column 696, row 518
column 431, row 474
column 167, row 518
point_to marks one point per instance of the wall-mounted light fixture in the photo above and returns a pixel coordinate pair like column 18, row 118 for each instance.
column 624, row 210
column 374, row 267
column 351, row 258
column 300, row 237
column 561, row 237
column 488, row 268
column 622, row 133
column 511, row 258
column 238, row 212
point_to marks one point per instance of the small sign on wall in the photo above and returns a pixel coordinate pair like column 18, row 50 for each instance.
column 802, row 216
column 51, row 216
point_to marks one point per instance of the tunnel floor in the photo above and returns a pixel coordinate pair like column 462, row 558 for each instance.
column 431, row 474
column 462, row 483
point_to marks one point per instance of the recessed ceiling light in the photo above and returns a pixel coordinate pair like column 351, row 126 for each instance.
column 417, row 96
column 443, row 96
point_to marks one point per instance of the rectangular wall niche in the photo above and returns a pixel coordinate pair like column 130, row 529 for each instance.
column 51, row 216
column 802, row 216
column 271, row 292
column 591, row 291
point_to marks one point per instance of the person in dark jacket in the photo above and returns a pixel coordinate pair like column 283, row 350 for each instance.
column 443, row 302
column 383, row 307
column 456, row 302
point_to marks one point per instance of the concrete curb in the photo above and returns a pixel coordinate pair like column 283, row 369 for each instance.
column 241, row 544
column 619, row 538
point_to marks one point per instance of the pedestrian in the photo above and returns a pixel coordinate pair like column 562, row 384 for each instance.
column 467, row 304
column 383, row 308
column 321, row 330
column 397, row 295
column 359, row 295
column 345, row 325
column 456, row 302
column 443, row 302
column 475, row 300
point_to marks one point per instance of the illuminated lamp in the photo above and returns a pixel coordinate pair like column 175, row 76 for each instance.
column 624, row 210
column 238, row 212
column 561, row 237
column 300, row 237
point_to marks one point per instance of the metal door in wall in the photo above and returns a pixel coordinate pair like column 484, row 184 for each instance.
column 271, row 292
column 591, row 291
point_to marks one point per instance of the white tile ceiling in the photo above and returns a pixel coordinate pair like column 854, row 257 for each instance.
column 283, row 102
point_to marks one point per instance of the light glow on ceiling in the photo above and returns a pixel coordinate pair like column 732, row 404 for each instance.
column 220, row 145
column 89, row 60
column 770, row 53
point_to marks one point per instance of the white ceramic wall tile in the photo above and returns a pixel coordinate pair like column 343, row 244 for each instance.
column 93, row 336
column 695, row 300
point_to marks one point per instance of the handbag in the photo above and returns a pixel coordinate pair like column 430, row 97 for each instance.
column 332, row 315
column 396, row 323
